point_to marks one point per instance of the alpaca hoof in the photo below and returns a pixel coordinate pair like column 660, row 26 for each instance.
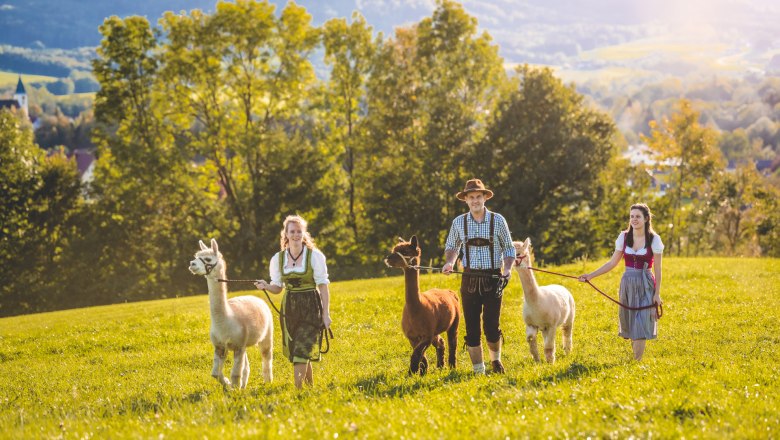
column 423, row 366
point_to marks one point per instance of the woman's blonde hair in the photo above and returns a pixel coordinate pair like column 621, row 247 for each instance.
column 307, row 240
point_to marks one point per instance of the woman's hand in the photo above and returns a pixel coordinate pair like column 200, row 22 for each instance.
column 261, row 284
column 326, row 320
column 584, row 277
column 657, row 301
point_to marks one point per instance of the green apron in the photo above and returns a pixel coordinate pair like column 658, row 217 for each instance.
column 301, row 313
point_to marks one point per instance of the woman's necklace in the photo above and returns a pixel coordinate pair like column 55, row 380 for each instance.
column 294, row 259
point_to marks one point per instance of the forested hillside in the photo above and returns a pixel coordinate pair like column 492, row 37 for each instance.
column 218, row 125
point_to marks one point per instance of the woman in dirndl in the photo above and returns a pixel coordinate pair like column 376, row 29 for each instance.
column 641, row 249
column 300, row 269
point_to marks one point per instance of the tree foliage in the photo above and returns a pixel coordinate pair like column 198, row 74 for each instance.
column 41, row 196
column 545, row 150
column 693, row 151
column 215, row 125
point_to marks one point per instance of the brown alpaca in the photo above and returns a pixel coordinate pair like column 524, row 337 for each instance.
column 427, row 314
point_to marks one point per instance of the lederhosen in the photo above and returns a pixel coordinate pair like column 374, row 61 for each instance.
column 480, row 294
column 301, row 313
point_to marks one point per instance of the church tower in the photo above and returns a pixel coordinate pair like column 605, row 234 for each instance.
column 21, row 97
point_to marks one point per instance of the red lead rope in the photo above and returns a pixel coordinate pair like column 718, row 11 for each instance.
column 659, row 308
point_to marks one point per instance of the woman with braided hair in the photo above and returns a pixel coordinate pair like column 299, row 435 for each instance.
column 300, row 269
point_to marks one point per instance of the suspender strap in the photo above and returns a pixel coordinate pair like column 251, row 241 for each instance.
column 466, row 238
column 492, row 248
column 490, row 239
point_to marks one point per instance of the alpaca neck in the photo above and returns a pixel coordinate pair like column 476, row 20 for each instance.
column 527, row 279
column 412, row 277
column 217, row 295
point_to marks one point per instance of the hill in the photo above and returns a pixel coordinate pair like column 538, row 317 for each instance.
column 663, row 38
column 142, row 370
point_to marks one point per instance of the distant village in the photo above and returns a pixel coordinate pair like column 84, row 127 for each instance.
column 85, row 159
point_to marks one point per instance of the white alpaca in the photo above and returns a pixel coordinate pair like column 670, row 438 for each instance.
column 236, row 323
column 545, row 307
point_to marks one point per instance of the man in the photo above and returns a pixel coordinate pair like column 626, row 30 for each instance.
column 487, row 263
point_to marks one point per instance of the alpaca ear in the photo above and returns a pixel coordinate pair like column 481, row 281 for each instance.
column 527, row 242
column 401, row 239
column 214, row 247
column 413, row 241
column 203, row 246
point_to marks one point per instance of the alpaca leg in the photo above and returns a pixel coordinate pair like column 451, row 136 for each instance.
column 568, row 329
column 439, row 344
column 238, row 366
column 418, row 358
column 267, row 353
column 530, row 336
column 452, row 342
column 245, row 371
column 549, row 343
column 423, row 365
column 219, row 363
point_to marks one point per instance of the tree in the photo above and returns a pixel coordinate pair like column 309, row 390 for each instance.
column 545, row 149
column 149, row 206
column 238, row 87
column 429, row 96
column 349, row 50
column 693, row 150
column 40, row 197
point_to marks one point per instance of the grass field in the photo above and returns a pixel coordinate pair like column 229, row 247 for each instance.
column 142, row 370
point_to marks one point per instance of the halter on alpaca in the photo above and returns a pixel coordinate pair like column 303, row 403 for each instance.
column 426, row 314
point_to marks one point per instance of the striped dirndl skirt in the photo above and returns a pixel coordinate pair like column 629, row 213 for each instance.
column 636, row 290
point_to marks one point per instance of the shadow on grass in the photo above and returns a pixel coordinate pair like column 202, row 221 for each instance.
column 575, row 371
column 384, row 385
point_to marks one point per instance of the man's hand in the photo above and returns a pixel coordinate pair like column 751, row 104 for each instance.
column 447, row 268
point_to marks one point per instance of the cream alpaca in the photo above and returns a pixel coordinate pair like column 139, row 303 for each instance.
column 545, row 307
column 236, row 323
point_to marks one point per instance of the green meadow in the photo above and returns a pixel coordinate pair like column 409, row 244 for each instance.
column 142, row 370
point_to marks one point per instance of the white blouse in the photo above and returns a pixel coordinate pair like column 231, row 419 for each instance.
column 656, row 245
column 317, row 264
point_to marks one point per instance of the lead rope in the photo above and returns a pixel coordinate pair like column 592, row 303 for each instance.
column 254, row 281
column 659, row 308
column 327, row 334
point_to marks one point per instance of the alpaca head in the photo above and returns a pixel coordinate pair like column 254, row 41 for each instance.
column 524, row 254
column 208, row 261
column 404, row 254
